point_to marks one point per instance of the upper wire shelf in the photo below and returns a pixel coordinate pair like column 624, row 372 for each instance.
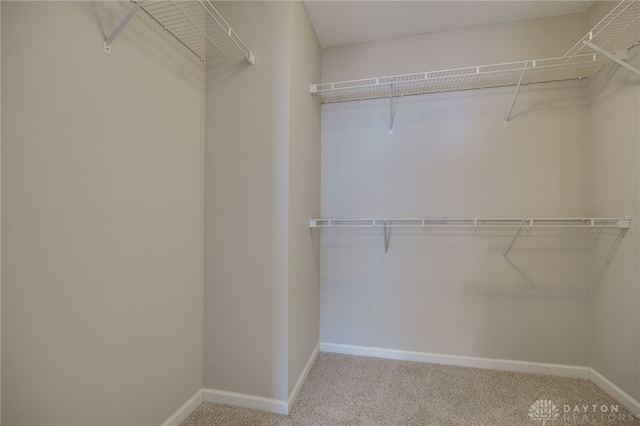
column 457, row 79
column 196, row 25
column 616, row 33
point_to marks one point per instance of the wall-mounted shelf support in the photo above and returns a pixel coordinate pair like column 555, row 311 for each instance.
column 517, row 224
column 387, row 238
column 615, row 58
column 513, row 239
column 515, row 94
column 106, row 48
column 391, row 109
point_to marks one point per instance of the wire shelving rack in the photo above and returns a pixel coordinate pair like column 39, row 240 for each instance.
column 196, row 25
column 514, row 224
column 609, row 40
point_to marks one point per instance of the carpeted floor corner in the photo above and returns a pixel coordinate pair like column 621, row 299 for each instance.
column 353, row 390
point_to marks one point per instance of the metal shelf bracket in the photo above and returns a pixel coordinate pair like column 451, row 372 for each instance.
column 387, row 238
column 623, row 222
column 391, row 109
column 106, row 47
column 618, row 58
column 513, row 240
column 515, row 94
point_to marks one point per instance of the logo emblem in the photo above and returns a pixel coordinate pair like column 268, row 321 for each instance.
column 544, row 410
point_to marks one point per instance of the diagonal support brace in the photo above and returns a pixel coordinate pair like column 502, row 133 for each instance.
column 391, row 109
column 515, row 95
column 106, row 48
column 387, row 238
column 613, row 57
column 513, row 240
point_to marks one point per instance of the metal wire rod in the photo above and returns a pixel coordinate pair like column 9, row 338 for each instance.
column 513, row 239
column 198, row 27
column 624, row 29
column 515, row 94
column 172, row 34
column 391, row 108
column 387, row 238
column 106, row 48
column 613, row 57
column 598, row 30
column 229, row 31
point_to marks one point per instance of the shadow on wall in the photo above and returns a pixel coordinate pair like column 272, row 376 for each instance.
column 149, row 38
column 604, row 80
column 220, row 71
column 603, row 251
column 541, row 262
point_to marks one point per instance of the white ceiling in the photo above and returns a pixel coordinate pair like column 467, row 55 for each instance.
column 339, row 22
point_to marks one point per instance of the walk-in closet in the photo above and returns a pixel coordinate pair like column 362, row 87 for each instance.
column 320, row 212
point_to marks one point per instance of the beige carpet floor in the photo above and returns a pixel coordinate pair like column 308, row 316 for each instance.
column 353, row 390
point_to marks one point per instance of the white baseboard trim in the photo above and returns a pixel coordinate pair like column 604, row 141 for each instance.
column 184, row 411
column 615, row 392
column 303, row 376
column 244, row 400
column 283, row 407
column 247, row 401
column 463, row 361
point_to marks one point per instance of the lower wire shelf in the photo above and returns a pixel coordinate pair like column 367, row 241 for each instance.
column 517, row 224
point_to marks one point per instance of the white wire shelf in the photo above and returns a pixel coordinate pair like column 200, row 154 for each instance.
column 508, row 74
column 515, row 224
column 595, row 222
column 608, row 41
column 196, row 25
column 618, row 31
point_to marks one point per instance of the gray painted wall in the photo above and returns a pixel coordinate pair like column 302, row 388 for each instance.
column 568, row 151
column 538, row 38
column 614, row 136
column 261, row 186
column 246, row 209
column 102, row 218
column 450, row 156
column 304, row 192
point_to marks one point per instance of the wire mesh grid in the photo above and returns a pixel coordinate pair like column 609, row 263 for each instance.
column 607, row 222
column 619, row 30
column 198, row 26
column 470, row 78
